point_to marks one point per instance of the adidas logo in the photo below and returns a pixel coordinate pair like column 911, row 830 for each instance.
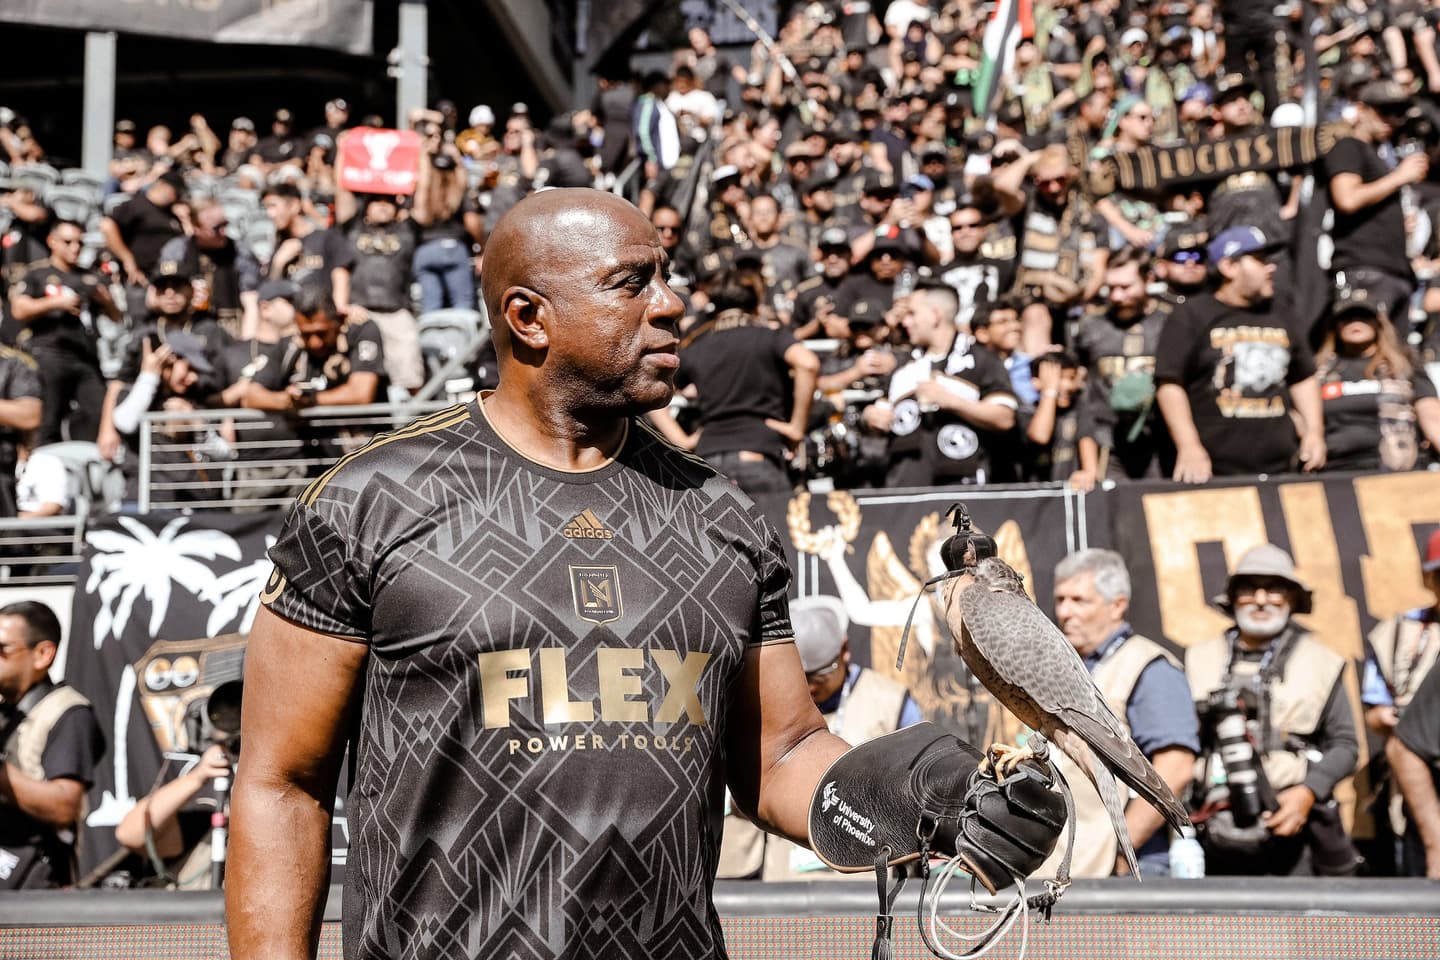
column 587, row 526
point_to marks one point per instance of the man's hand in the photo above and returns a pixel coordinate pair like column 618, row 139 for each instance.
column 1288, row 820
column 214, row 762
column 108, row 441
column 153, row 360
column 1413, row 169
column 932, row 393
column 879, row 416
column 1192, row 465
column 792, row 434
column 874, row 363
column 1312, row 451
column 1082, row 480
column 1381, row 719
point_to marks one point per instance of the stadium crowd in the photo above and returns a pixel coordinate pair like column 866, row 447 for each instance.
column 898, row 271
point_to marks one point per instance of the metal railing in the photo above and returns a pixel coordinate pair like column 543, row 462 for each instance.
column 43, row 551
column 187, row 461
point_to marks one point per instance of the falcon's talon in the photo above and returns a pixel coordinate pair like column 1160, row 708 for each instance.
column 1005, row 759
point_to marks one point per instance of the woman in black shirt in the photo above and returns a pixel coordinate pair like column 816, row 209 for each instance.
column 1378, row 402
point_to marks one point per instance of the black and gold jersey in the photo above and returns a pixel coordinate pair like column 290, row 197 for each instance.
column 539, row 769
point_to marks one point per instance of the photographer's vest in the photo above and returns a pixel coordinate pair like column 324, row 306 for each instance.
column 1297, row 696
column 26, row 745
column 1096, row 846
column 1405, row 652
column 871, row 708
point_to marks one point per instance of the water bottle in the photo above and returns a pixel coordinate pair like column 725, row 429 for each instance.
column 1187, row 857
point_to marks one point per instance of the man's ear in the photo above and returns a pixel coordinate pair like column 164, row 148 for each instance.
column 44, row 653
column 526, row 316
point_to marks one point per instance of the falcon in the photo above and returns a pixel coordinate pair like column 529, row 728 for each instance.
column 1027, row 664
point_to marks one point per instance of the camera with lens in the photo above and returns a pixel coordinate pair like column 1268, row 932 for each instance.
column 1226, row 731
column 215, row 719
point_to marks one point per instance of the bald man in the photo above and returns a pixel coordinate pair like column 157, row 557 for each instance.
column 550, row 639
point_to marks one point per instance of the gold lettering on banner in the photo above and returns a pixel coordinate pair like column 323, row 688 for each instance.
column 1224, row 162
column 1264, row 153
column 1178, row 523
column 555, row 701
column 1167, row 164
column 1391, row 507
column 683, row 678
column 1336, row 618
column 1205, row 158
column 1185, row 163
column 1242, row 151
column 617, row 685
column 498, row 688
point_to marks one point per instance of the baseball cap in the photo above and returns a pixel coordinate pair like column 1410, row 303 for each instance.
column 799, row 149
column 284, row 116
column 821, row 181
column 1432, row 553
column 279, row 290
column 726, row 172
column 1238, row 241
column 243, row 123
column 1355, row 300
column 1134, row 35
column 877, row 184
column 124, row 126
column 1175, row 35
column 170, row 271
column 834, row 237
column 1198, row 91
column 337, row 104
column 919, row 183
column 820, row 625
column 482, row 116
column 1186, row 237
column 1383, row 93
column 189, row 347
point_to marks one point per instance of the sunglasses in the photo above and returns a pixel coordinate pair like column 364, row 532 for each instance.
column 1052, row 181
column 824, row 671
column 666, row 228
column 1186, row 256
column 977, row 225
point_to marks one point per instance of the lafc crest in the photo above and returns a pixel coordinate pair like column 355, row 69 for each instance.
column 596, row 591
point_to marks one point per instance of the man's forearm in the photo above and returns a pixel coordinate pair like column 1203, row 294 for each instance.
column 56, row 802
column 1175, row 408
column 278, row 871
column 1176, row 767
column 1417, row 785
column 1305, row 395
column 20, row 414
column 784, row 805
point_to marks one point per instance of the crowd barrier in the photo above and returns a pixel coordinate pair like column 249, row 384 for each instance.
column 1277, row 919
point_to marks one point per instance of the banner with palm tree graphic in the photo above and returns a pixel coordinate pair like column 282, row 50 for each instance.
column 168, row 594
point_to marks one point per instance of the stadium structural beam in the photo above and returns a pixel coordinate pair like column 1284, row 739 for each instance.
column 412, row 71
column 99, row 111
column 527, row 26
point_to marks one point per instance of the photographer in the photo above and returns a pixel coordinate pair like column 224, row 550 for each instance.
column 1298, row 721
column 448, row 222
column 180, row 838
column 1369, row 179
column 49, row 744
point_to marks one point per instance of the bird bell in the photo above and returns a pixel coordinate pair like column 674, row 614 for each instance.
column 968, row 546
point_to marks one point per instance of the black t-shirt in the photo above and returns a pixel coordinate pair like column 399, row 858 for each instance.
column 737, row 364
column 1353, row 411
column 867, row 297
column 1113, row 351
column 60, row 329
column 274, row 149
column 539, row 768
column 382, row 255
column 1373, row 236
column 1237, row 365
column 1419, row 727
column 19, row 379
column 146, row 229
column 358, row 350
column 321, row 251
column 954, row 448
column 809, row 294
